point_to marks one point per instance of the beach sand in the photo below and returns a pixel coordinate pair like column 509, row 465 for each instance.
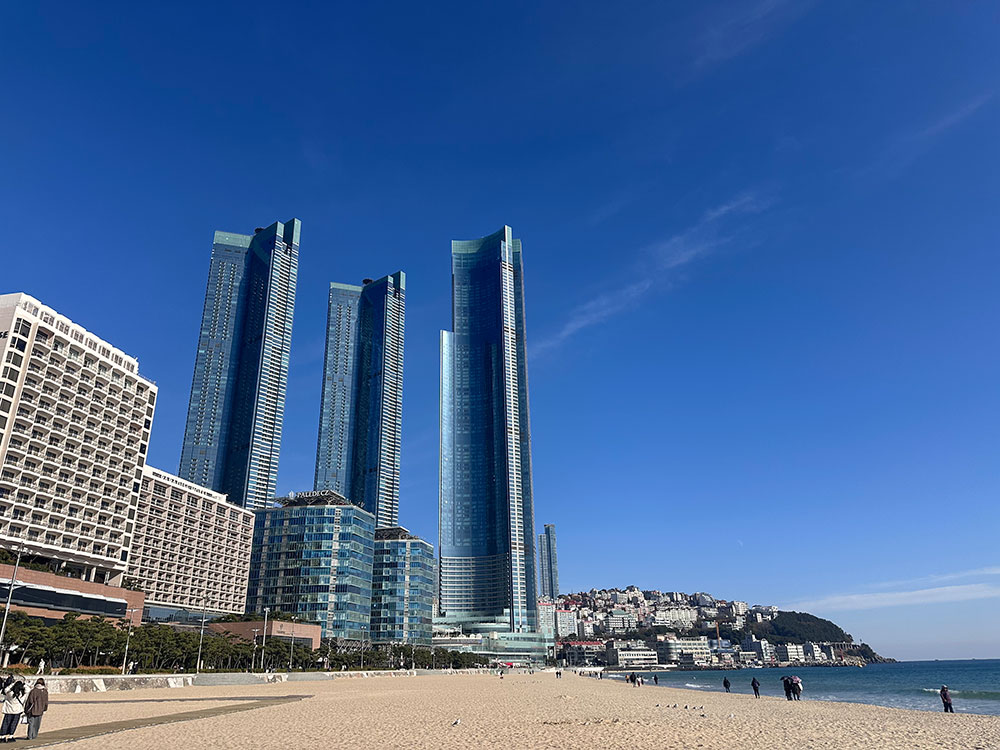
column 520, row 711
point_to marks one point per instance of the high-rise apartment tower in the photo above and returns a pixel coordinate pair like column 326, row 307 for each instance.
column 486, row 526
column 548, row 568
column 361, row 407
column 233, row 431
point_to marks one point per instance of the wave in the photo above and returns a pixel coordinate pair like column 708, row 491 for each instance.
column 984, row 695
column 700, row 687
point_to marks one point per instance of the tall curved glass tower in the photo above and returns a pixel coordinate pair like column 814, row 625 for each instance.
column 486, row 526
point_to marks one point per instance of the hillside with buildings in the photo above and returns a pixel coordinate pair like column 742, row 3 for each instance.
column 631, row 628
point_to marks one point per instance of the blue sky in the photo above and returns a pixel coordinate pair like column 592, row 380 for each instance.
column 760, row 244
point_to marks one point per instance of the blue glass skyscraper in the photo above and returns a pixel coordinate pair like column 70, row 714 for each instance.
column 486, row 526
column 360, row 425
column 548, row 566
column 233, row 432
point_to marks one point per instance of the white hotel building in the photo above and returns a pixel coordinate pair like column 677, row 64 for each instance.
column 75, row 417
column 191, row 549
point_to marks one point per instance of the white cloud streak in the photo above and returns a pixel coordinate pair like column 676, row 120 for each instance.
column 935, row 595
column 746, row 25
column 941, row 577
column 907, row 147
column 657, row 260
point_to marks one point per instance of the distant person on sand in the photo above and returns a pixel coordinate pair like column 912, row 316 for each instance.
column 786, row 683
column 13, row 705
column 755, row 684
column 726, row 684
column 656, row 680
column 36, row 705
column 946, row 700
column 796, row 688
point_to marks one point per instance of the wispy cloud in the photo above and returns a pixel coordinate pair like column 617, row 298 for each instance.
column 748, row 202
column 940, row 577
column 656, row 262
column 906, row 147
column 744, row 26
column 935, row 595
column 609, row 209
column 952, row 119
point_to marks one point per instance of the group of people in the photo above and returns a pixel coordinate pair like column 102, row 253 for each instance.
column 636, row 681
column 793, row 688
column 16, row 703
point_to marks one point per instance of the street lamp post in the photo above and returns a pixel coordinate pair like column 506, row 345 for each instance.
column 263, row 641
column 10, row 595
column 128, row 637
column 253, row 657
column 201, row 638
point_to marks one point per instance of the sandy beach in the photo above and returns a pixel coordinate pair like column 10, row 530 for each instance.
column 520, row 711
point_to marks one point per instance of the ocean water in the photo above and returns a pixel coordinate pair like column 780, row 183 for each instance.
column 974, row 684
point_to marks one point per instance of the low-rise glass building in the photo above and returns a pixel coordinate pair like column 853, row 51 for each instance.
column 402, row 588
column 312, row 557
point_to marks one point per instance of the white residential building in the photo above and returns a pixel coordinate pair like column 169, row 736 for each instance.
column 790, row 652
column 547, row 618
column 565, row 623
column 75, row 417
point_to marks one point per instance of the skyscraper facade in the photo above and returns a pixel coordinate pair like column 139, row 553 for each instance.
column 548, row 568
column 361, row 407
column 233, row 432
column 486, row 526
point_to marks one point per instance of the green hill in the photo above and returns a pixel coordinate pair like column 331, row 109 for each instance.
column 799, row 627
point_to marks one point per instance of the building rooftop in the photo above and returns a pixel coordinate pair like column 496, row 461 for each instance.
column 318, row 497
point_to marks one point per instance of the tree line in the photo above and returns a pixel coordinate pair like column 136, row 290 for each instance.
column 97, row 645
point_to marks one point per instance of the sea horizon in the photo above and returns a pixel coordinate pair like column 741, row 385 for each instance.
column 901, row 684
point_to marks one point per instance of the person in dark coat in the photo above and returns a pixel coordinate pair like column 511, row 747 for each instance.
column 786, row 683
column 755, row 684
column 36, row 705
column 726, row 683
column 946, row 700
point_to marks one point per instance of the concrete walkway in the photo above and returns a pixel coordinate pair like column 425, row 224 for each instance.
column 60, row 736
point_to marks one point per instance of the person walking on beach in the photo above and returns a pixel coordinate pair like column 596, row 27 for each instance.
column 946, row 700
column 656, row 680
column 796, row 688
column 755, row 684
column 786, row 683
column 36, row 705
column 726, row 684
column 13, row 705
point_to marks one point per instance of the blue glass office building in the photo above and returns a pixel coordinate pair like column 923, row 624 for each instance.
column 233, row 432
column 548, row 566
column 312, row 557
column 486, row 526
column 361, row 407
column 402, row 588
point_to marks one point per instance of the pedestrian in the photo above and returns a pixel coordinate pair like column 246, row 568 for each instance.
column 946, row 700
column 786, row 683
column 656, row 680
column 755, row 684
column 41, row 667
column 13, row 705
column 797, row 688
column 726, row 684
column 36, row 705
